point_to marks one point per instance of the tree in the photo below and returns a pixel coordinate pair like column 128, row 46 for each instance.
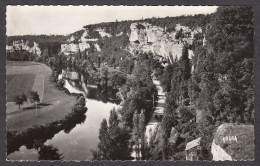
column 104, row 74
column 20, row 99
column 34, row 97
column 118, row 80
column 48, row 152
column 45, row 55
column 103, row 145
column 61, row 83
column 113, row 120
column 185, row 63
column 183, row 72
column 113, row 140
column 81, row 101
column 166, row 77
column 142, row 128
column 166, row 124
column 138, row 133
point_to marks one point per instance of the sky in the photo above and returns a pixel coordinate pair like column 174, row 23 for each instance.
column 63, row 20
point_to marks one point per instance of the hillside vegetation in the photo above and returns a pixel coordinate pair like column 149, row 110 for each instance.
column 220, row 85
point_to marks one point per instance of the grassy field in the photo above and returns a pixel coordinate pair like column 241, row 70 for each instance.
column 23, row 77
column 18, row 84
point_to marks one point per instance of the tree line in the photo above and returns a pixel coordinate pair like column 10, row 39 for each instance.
column 127, row 124
column 216, row 86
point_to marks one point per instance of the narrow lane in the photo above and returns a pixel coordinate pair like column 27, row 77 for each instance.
column 153, row 122
column 159, row 109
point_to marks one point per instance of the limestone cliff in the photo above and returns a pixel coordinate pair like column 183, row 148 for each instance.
column 145, row 37
column 80, row 43
column 102, row 32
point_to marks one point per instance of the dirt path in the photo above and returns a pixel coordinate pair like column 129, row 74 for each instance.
column 55, row 104
column 159, row 109
column 153, row 122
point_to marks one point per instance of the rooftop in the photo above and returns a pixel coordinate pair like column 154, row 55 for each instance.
column 193, row 143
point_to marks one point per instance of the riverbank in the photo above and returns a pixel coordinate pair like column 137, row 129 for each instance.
column 54, row 105
column 74, row 140
column 36, row 136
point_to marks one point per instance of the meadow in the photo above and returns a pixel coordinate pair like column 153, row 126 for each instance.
column 22, row 77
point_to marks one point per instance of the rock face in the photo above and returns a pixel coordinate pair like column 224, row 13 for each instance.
column 102, row 32
column 143, row 37
column 86, row 38
column 31, row 47
column 70, row 48
column 147, row 38
column 233, row 142
column 75, row 45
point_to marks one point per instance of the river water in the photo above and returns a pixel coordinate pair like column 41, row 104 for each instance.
column 79, row 142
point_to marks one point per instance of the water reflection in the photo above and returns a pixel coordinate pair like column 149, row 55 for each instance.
column 77, row 145
column 76, row 83
column 49, row 153
column 24, row 154
column 34, row 138
column 43, row 152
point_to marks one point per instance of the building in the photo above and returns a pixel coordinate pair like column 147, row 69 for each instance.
column 70, row 75
column 192, row 150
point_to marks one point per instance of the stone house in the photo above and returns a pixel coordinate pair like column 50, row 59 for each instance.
column 192, row 150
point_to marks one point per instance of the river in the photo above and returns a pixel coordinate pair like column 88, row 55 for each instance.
column 78, row 143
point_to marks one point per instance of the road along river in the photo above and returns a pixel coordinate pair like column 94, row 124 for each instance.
column 159, row 109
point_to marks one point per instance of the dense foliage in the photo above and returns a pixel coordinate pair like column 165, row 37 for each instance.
column 190, row 21
column 220, row 87
column 137, row 95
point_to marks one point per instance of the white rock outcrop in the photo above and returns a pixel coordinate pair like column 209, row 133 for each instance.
column 145, row 37
column 21, row 45
column 120, row 34
column 84, row 36
column 102, row 32
column 83, row 46
column 219, row 154
column 71, row 39
column 72, row 48
column 97, row 47
column 69, row 48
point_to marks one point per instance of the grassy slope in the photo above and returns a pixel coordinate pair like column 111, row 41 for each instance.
column 55, row 104
column 17, row 84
